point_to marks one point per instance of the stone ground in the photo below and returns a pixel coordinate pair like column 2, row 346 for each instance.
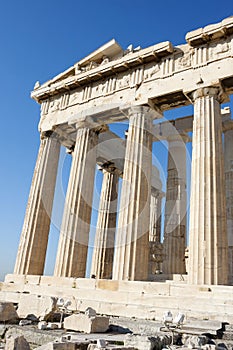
column 140, row 334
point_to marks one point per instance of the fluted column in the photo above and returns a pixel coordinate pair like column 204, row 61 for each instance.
column 208, row 238
column 175, row 208
column 228, row 162
column 132, row 241
column 74, row 235
column 155, row 215
column 34, row 237
column 102, row 259
column 155, row 245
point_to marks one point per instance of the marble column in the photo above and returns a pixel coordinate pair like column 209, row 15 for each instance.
column 102, row 259
column 228, row 162
column 155, row 245
column 176, row 206
column 208, row 248
column 74, row 235
column 34, row 237
column 155, row 215
column 132, row 240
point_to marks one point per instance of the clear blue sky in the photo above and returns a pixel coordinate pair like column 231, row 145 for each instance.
column 42, row 38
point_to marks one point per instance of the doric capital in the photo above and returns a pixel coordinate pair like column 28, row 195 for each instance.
column 47, row 134
column 89, row 122
column 207, row 91
column 216, row 92
column 110, row 167
column 141, row 110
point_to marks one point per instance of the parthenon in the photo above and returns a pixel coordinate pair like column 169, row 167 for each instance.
column 113, row 85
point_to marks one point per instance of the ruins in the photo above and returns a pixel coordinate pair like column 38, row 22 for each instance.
column 136, row 273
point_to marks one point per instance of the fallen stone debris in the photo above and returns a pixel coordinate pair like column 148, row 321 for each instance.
column 89, row 331
column 8, row 312
column 39, row 306
column 87, row 324
column 16, row 343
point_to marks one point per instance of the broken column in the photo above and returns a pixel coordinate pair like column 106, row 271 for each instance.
column 102, row 259
column 34, row 237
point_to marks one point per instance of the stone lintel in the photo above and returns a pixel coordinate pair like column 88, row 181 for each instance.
column 211, row 32
column 160, row 91
column 71, row 80
column 162, row 130
column 103, row 113
column 180, row 136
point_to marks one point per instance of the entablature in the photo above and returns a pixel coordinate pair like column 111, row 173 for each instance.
column 160, row 76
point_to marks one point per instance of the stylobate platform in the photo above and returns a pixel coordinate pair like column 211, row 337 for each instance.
column 145, row 300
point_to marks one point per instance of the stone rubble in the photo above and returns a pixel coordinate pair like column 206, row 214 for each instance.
column 86, row 324
column 8, row 312
column 25, row 322
column 37, row 305
column 142, row 342
column 42, row 325
column 110, row 347
column 194, row 342
column 16, row 343
column 228, row 333
column 33, row 335
column 90, row 312
column 58, row 346
column 75, row 340
column 53, row 325
column 89, row 331
column 3, row 329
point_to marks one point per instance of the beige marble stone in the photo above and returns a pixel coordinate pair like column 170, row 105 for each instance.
column 74, row 234
column 7, row 312
column 228, row 165
column 34, row 237
column 102, row 258
column 37, row 305
column 132, row 241
column 176, row 206
column 16, row 343
column 155, row 215
column 144, row 300
column 101, row 86
column 208, row 246
column 156, row 253
column 58, row 345
column 83, row 323
column 112, row 85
